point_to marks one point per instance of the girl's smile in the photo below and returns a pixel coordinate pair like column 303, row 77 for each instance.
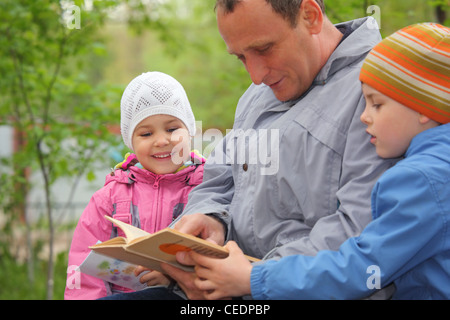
column 161, row 143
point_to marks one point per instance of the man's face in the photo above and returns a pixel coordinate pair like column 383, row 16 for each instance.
column 272, row 51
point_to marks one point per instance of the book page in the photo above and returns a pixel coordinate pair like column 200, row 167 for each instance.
column 119, row 252
column 132, row 233
column 152, row 249
column 163, row 245
column 112, row 270
column 114, row 242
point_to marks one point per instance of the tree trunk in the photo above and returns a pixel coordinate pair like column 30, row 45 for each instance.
column 441, row 14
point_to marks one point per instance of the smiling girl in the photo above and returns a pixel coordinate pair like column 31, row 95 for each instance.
column 157, row 124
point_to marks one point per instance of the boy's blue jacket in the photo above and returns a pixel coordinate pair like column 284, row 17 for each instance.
column 407, row 243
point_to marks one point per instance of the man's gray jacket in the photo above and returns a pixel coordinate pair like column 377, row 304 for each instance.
column 296, row 177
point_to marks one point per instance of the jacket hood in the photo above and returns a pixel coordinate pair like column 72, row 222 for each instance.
column 353, row 49
column 193, row 173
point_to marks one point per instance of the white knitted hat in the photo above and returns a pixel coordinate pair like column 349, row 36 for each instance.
column 149, row 94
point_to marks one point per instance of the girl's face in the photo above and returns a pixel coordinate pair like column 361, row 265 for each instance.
column 390, row 124
column 161, row 143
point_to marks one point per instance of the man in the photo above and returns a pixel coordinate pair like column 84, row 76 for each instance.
column 306, row 93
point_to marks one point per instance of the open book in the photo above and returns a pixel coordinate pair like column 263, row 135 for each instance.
column 149, row 250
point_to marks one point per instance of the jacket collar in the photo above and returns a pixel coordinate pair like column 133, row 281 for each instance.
column 431, row 138
column 136, row 174
column 361, row 37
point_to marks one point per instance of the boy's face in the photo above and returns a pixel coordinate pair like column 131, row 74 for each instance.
column 161, row 143
column 390, row 124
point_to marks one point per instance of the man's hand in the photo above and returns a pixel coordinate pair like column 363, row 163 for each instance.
column 201, row 226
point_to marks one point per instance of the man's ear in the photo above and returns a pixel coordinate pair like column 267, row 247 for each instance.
column 312, row 16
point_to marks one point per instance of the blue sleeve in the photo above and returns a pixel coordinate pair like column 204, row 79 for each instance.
column 407, row 232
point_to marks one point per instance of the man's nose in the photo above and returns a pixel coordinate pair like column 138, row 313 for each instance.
column 257, row 70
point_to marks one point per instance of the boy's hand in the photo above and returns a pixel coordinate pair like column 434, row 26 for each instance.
column 202, row 226
column 223, row 278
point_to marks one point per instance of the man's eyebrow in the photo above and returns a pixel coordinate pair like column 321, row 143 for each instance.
column 253, row 46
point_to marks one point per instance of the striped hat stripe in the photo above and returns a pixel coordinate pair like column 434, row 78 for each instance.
column 436, row 85
column 414, row 57
column 427, row 39
column 435, row 54
column 412, row 93
column 412, row 66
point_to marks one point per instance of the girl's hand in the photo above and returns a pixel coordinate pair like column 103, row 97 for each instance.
column 152, row 278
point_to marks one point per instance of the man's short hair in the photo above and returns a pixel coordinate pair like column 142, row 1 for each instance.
column 288, row 9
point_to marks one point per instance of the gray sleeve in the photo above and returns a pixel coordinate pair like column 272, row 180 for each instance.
column 213, row 196
column 361, row 168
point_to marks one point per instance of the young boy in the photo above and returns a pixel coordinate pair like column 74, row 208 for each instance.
column 406, row 83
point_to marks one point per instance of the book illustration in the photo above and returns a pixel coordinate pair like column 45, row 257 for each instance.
column 173, row 248
column 112, row 270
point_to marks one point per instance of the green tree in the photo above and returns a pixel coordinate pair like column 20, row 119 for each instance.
column 47, row 99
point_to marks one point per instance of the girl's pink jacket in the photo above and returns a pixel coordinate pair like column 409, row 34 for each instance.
column 138, row 197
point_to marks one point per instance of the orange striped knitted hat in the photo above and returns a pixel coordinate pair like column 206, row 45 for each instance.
column 412, row 66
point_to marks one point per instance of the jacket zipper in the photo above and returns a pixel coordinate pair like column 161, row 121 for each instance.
column 156, row 183
column 156, row 213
